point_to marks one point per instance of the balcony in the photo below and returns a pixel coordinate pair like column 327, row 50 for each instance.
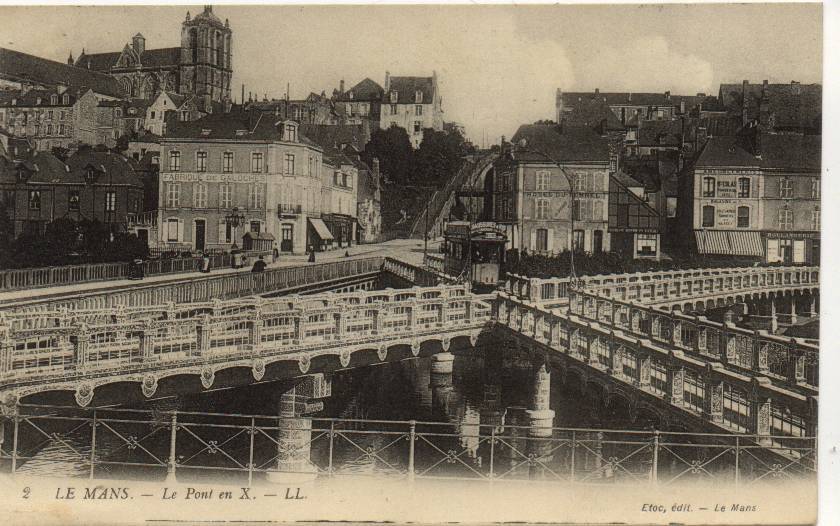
column 288, row 210
column 143, row 219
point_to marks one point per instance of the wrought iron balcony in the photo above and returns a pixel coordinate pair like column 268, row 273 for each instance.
column 286, row 210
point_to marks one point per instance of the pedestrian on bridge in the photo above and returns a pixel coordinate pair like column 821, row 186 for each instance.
column 259, row 265
column 312, row 254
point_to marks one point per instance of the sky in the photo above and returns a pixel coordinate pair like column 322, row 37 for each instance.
column 497, row 66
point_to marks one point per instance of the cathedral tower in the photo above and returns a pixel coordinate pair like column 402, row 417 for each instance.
column 205, row 67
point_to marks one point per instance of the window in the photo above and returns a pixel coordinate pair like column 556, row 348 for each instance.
column 200, row 195
column 542, row 239
column 743, row 217
column 743, row 187
column 786, row 188
column 49, row 129
column 393, row 109
column 73, row 200
column 543, row 178
column 542, row 208
column 172, row 230
column 598, row 211
column 290, row 163
column 418, row 109
column 153, row 115
column 201, row 161
column 65, row 99
column 291, row 133
column 255, row 196
column 815, row 219
column 34, row 199
column 227, row 162
column 417, row 126
column 785, row 219
column 173, row 195
column 577, row 239
column 225, row 195
column 110, row 201
column 646, row 244
column 61, row 129
column 708, row 216
column 815, row 188
column 184, row 116
column 348, row 180
column 708, row 187
column 257, row 162
column 418, row 96
column 61, row 114
column 54, row 99
column 255, row 227
column 174, row 161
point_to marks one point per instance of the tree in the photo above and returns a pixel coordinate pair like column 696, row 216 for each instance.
column 393, row 149
column 438, row 158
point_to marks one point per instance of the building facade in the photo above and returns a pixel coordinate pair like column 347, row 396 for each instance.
column 361, row 103
column 92, row 185
column 531, row 192
column 758, row 195
column 228, row 174
column 201, row 66
column 412, row 103
column 50, row 117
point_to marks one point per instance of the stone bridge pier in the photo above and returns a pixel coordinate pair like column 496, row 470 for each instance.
column 440, row 380
column 294, row 438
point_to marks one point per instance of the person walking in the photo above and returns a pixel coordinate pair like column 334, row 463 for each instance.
column 311, row 254
column 259, row 265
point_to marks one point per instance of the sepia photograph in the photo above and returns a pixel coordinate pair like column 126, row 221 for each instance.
column 410, row 263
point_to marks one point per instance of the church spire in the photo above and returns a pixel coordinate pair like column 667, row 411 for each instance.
column 70, row 59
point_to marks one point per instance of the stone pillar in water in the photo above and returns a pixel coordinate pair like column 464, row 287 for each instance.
column 294, row 438
column 440, row 380
column 540, row 422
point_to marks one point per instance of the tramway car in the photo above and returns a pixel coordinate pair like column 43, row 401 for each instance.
column 475, row 252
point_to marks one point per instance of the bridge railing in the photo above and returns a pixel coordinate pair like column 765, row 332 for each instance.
column 207, row 287
column 100, row 443
column 31, row 278
column 433, row 261
column 73, row 344
column 666, row 286
column 737, row 379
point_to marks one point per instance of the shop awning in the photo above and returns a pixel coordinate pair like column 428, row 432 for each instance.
column 735, row 243
column 321, row 229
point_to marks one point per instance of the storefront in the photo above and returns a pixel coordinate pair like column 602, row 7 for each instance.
column 729, row 243
column 318, row 236
column 342, row 227
column 793, row 248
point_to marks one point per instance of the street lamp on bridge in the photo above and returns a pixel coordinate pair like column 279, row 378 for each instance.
column 234, row 219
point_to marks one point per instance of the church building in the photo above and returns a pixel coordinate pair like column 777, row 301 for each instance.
column 201, row 66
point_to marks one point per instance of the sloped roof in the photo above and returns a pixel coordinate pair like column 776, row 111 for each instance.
column 593, row 113
column 792, row 105
column 336, row 135
column 32, row 97
column 407, row 87
column 153, row 58
column 778, row 151
column 366, row 90
column 572, row 98
column 574, row 144
column 258, row 126
column 112, row 168
column 666, row 132
column 23, row 66
column 626, row 180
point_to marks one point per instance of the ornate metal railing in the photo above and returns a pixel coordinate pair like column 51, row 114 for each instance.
column 669, row 287
column 433, row 261
column 66, row 349
column 735, row 379
column 206, row 288
column 115, row 444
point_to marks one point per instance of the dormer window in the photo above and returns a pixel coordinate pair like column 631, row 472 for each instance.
column 394, row 97
column 290, row 132
column 118, row 113
column 65, row 99
column 14, row 102
column 38, row 101
column 240, row 133
column 90, row 174
column 418, row 97
column 205, row 132
column 54, row 100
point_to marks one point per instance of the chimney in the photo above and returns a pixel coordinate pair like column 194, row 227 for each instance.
column 764, row 106
column 341, row 87
column 744, row 103
column 682, row 106
column 138, row 43
column 387, row 81
column 629, row 97
column 667, row 95
column 597, row 91
column 795, row 87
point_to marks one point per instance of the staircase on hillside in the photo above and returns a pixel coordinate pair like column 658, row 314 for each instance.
column 442, row 201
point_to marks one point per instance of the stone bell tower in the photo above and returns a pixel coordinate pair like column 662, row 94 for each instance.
column 206, row 66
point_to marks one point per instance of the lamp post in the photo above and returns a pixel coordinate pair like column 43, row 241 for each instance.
column 523, row 146
column 233, row 220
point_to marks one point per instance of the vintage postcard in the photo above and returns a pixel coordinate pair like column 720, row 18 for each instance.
column 415, row 263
